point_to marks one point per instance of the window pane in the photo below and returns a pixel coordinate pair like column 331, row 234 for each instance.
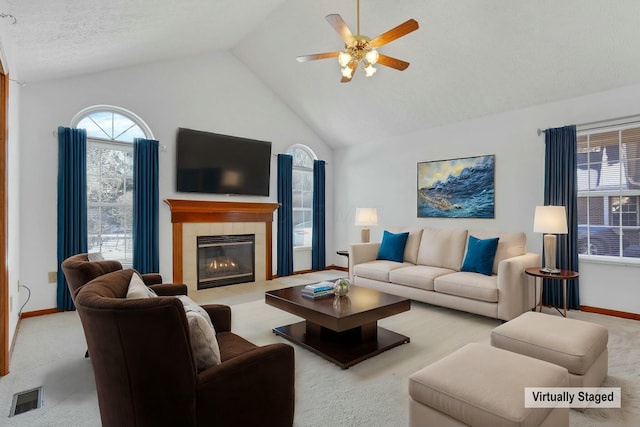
column 110, row 126
column 302, row 195
column 110, row 200
column 608, row 201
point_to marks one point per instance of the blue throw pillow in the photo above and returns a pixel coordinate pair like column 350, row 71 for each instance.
column 392, row 246
column 480, row 255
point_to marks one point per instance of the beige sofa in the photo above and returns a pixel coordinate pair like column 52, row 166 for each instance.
column 431, row 272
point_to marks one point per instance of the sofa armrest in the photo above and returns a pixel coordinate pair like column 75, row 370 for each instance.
column 220, row 316
column 515, row 294
column 254, row 389
column 362, row 252
column 151, row 278
column 169, row 289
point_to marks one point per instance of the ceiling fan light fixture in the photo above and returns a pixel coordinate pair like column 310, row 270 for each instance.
column 360, row 48
column 344, row 58
column 372, row 56
column 369, row 70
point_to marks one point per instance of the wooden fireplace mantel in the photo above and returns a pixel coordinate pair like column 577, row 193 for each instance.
column 185, row 211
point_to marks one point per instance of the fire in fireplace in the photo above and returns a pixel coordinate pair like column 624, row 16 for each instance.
column 225, row 260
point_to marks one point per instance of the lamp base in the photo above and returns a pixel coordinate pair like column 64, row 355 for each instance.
column 364, row 235
column 550, row 254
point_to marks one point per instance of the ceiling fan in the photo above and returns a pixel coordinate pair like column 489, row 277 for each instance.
column 359, row 48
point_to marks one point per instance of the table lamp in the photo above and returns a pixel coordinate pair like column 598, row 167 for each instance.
column 550, row 220
column 366, row 217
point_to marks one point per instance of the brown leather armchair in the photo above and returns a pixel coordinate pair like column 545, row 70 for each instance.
column 78, row 271
column 145, row 371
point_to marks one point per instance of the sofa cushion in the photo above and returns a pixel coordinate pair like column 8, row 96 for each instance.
column 480, row 255
column 377, row 270
column 137, row 288
column 442, row 247
column 468, row 285
column 417, row 276
column 413, row 242
column 392, row 246
column 511, row 244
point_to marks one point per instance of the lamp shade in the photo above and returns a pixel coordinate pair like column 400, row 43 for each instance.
column 550, row 220
column 366, row 216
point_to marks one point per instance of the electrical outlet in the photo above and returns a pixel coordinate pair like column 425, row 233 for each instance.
column 53, row 276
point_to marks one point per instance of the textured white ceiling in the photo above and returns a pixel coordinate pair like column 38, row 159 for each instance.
column 469, row 58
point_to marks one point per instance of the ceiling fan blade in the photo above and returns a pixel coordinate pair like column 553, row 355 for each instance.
column 315, row 56
column 395, row 33
column 338, row 24
column 348, row 79
column 392, row 62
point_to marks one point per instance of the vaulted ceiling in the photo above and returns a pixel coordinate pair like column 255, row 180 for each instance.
column 470, row 58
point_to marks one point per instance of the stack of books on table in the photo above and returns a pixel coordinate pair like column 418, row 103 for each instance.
column 318, row 290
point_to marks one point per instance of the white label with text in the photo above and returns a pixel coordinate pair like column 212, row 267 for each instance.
column 572, row 397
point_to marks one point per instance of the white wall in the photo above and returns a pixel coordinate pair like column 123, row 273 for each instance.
column 383, row 175
column 211, row 92
column 216, row 93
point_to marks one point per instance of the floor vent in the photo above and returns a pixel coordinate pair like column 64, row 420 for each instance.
column 26, row 401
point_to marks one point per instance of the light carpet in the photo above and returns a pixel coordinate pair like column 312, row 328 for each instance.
column 375, row 392
column 49, row 352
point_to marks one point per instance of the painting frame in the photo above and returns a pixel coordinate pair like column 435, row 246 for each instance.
column 456, row 188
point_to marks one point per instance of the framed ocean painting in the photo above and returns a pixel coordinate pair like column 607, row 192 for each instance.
column 457, row 188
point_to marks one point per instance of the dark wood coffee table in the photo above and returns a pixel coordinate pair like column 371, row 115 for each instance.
column 343, row 330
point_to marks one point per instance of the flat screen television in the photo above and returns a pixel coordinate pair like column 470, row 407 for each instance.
column 221, row 164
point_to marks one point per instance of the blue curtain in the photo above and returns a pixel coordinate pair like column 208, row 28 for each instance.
column 285, row 215
column 561, row 189
column 145, row 206
column 318, row 247
column 72, row 204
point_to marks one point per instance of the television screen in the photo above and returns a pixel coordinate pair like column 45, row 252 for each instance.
column 221, row 164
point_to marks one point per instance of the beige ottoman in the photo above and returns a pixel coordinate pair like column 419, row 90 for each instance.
column 579, row 346
column 480, row 385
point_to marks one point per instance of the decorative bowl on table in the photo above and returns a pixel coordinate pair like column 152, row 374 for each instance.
column 341, row 287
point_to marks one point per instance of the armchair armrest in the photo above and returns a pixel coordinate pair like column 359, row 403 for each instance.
column 362, row 252
column 169, row 289
column 151, row 278
column 255, row 389
column 220, row 316
column 515, row 295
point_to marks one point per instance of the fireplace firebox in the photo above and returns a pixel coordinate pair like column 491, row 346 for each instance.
column 225, row 260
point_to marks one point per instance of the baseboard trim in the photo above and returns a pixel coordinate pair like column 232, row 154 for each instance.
column 35, row 313
column 608, row 312
column 329, row 267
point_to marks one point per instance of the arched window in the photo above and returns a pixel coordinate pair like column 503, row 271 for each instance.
column 110, row 134
column 303, row 158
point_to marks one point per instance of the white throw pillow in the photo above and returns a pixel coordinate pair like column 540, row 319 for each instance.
column 137, row 288
column 203, row 335
column 203, row 341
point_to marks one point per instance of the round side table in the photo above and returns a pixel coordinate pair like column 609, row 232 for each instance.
column 563, row 275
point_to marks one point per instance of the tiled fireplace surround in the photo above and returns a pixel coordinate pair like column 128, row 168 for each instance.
column 193, row 218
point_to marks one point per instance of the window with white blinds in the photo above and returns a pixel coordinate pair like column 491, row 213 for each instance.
column 608, row 174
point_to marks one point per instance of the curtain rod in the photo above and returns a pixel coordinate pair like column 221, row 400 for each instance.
column 597, row 122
